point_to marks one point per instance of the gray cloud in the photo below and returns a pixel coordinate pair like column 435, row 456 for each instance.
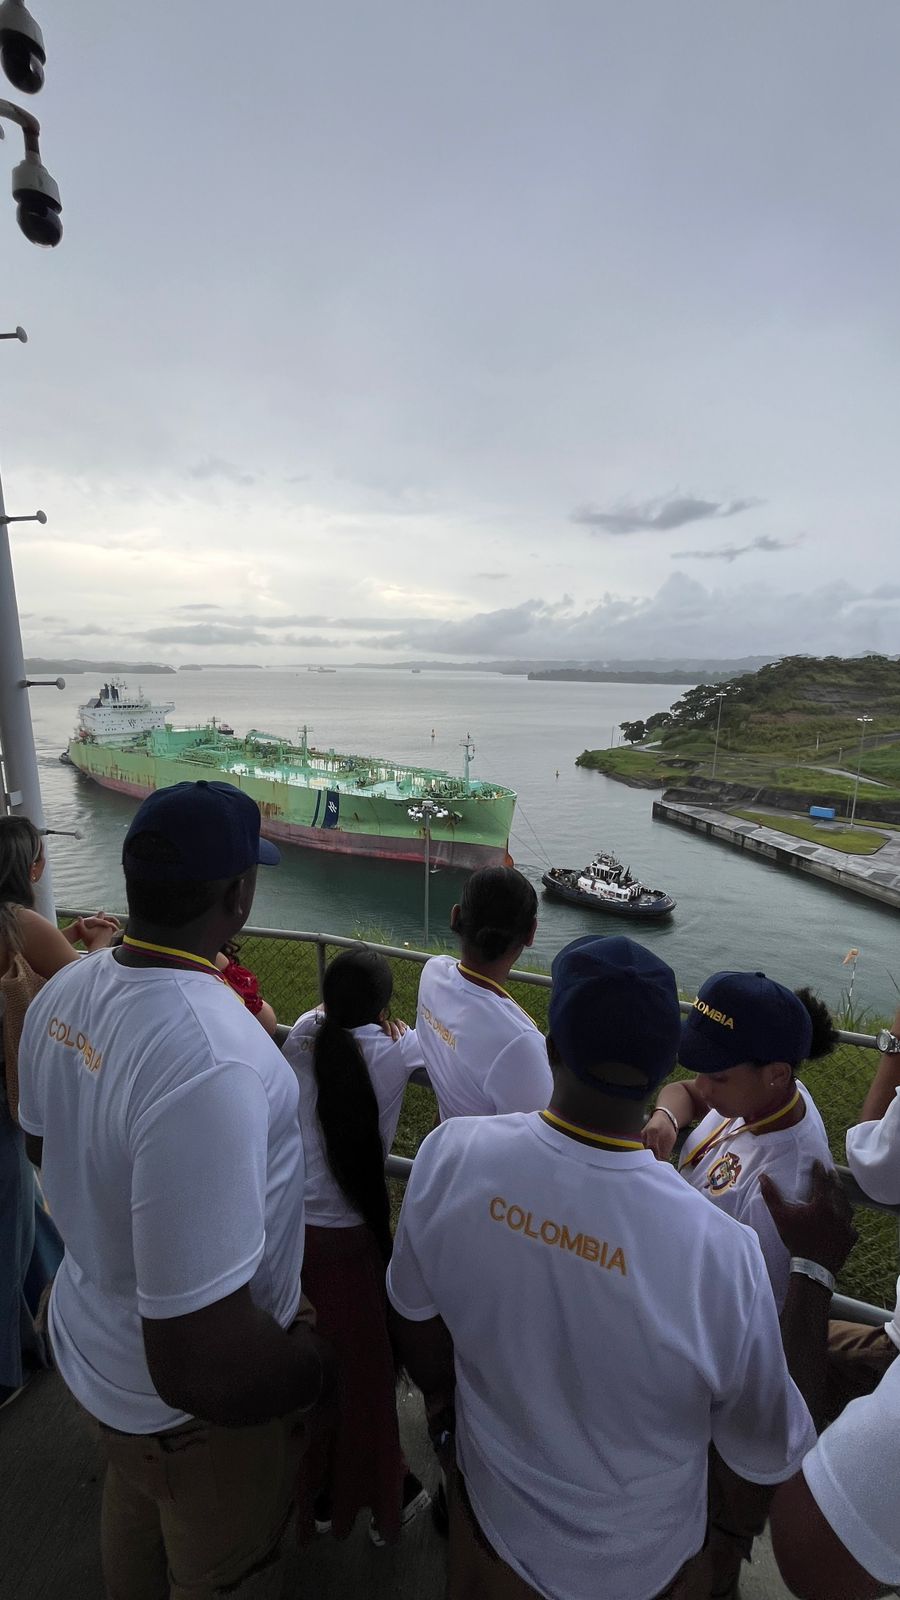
column 658, row 516
column 202, row 633
column 212, row 467
column 730, row 552
column 198, row 605
column 317, row 620
column 682, row 619
column 494, row 576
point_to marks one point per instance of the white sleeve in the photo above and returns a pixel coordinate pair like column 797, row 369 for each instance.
column 853, row 1473
column 198, row 1193
column 761, row 1426
column 755, row 1214
column 411, row 1048
column 520, row 1078
column 873, row 1155
column 407, row 1285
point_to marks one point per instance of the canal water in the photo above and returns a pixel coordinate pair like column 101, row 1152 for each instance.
column 732, row 911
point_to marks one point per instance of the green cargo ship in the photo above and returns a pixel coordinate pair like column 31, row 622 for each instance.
column 352, row 805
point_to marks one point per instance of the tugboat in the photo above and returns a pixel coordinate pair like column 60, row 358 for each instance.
column 606, row 885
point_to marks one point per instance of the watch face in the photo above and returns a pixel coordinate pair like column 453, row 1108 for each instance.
column 886, row 1042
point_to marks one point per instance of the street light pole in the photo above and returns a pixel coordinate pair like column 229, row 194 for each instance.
column 426, row 813
column 20, row 791
column 720, row 697
column 862, row 735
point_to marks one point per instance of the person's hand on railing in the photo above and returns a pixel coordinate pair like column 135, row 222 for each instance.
column 817, row 1229
column 94, row 932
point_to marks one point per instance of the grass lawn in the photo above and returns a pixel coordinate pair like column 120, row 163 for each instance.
column 853, row 841
column 652, row 767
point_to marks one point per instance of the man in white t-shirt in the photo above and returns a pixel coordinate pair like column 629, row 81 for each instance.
column 165, row 1120
column 583, row 1323
column 860, row 1355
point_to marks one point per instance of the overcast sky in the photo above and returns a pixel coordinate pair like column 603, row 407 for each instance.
column 487, row 327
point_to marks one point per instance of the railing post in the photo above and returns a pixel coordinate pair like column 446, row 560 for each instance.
column 320, row 965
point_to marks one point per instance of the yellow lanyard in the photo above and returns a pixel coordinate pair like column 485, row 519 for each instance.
column 604, row 1141
column 185, row 956
column 723, row 1132
column 489, row 983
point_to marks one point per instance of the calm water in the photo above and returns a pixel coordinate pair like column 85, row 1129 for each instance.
column 731, row 911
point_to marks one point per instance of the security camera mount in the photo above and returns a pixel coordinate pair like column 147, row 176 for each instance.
column 22, row 53
column 32, row 186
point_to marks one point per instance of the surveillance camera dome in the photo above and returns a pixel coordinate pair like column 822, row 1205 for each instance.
column 22, row 53
column 38, row 203
column 38, row 221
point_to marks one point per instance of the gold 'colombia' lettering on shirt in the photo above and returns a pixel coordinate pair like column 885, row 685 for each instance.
column 714, row 1016
column 439, row 1027
column 62, row 1033
column 556, row 1233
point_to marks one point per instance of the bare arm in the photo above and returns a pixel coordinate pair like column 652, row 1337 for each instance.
column 819, row 1230
column 233, row 1365
column 267, row 1018
column 426, row 1351
column 813, row 1562
column 884, row 1084
column 685, row 1105
column 45, row 949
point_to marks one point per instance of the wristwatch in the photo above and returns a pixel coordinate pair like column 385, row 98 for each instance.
column 887, row 1042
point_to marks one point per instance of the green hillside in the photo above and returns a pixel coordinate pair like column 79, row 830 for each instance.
column 779, row 729
column 791, row 705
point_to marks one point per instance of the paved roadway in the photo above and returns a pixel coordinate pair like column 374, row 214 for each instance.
column 49, row 1519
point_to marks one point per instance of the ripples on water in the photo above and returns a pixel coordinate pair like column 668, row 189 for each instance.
column 732, row 911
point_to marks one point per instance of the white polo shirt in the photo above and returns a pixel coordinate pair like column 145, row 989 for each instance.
column 173, row 1166
column 607, row 1325
column 483, row 1052
column 873, row 1156
column 853, row 1474
column 728, row 1174
column 391, row 1063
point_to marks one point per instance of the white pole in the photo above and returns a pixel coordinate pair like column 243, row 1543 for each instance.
column 862, row 733
column 427, row 809
column 22, row 788
column 718, row 726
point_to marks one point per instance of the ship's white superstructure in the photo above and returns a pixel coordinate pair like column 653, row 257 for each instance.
column 117, row 713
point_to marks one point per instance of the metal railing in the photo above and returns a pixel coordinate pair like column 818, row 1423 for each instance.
column 540, row 980
column 400, row 1167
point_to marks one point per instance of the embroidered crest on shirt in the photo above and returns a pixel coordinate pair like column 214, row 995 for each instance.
column 723, row 1173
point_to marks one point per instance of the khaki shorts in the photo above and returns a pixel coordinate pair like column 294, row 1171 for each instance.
column 858, row 1358
column 199, row 1511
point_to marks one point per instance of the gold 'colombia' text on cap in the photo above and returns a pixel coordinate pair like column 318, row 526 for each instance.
column 714, row 1016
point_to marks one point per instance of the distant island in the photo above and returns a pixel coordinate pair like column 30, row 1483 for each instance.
column 644, row 669
column 634, row 675
column 219, row 666
column 74, row 665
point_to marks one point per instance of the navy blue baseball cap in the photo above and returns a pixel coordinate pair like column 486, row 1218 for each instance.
column 742, row 1017
column 213, row 828
column 614, row 1001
